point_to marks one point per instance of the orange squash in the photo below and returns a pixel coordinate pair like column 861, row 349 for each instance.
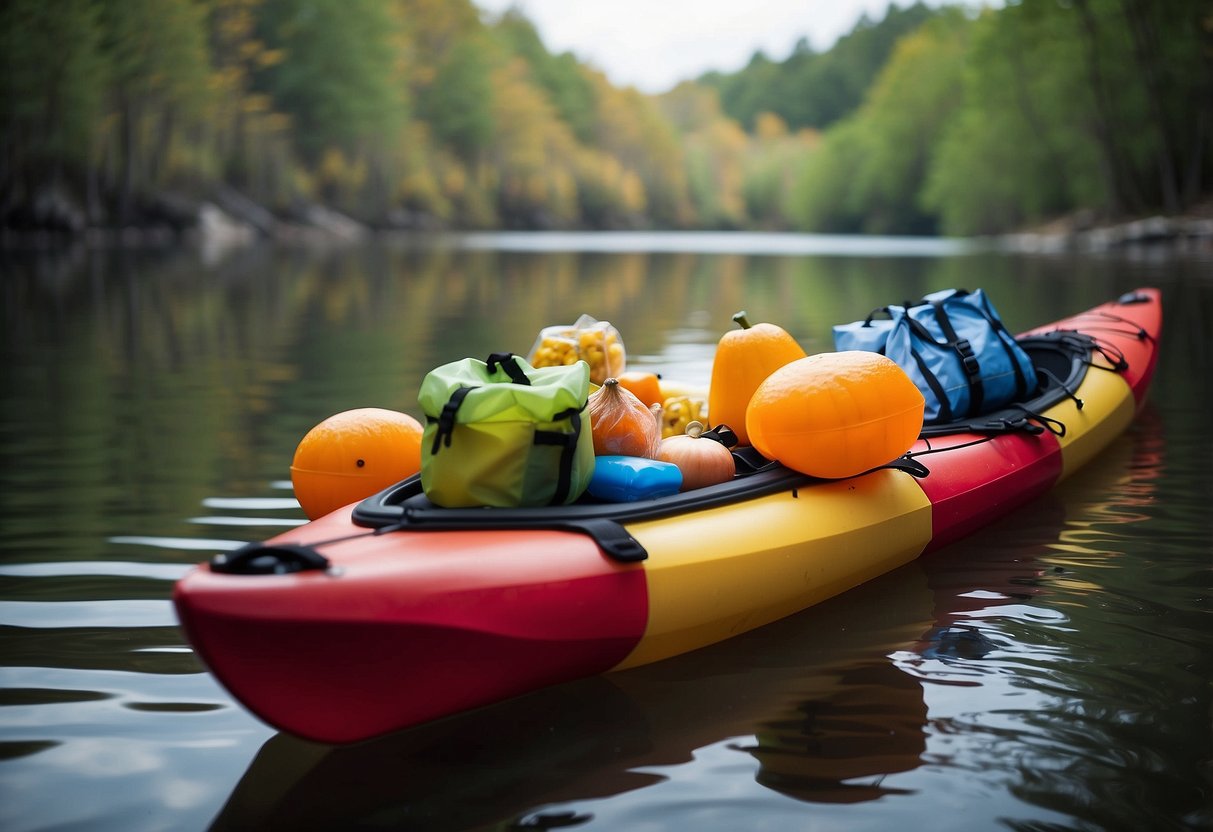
column 836, row 414
column 744, row 358
column 644, row 386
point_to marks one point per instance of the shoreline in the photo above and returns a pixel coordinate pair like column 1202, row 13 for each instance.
column 231, row 221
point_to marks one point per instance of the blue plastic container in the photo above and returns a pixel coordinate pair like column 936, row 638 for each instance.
column 624, row 479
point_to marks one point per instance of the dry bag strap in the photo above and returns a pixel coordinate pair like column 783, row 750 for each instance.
column 568, row 453
column 964, row 350
column 446, row 419
column 505, row 360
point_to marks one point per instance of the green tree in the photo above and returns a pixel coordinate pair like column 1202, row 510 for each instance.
column 1097, row 104
column 54, row 80
column 811, row 89
column 336, row 80
column 872, row 168
column 159, row 66
column 458, row 104
column 560, row 76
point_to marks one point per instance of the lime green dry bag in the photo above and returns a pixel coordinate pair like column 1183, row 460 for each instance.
column 504, row 433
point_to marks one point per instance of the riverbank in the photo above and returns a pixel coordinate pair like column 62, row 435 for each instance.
column 225, row 218
column 229, row 220
column 1079, row 233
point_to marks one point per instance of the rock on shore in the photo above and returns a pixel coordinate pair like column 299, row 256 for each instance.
column 225, row 220
column 1077, row 235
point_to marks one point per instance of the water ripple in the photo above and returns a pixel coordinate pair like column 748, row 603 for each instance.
column 251, row 503
column 107, row 568
column 246, row 521
column 58, row 614
column 188, row 544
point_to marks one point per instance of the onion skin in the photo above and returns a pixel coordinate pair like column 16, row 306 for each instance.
column 703, row 461
column 621, row 423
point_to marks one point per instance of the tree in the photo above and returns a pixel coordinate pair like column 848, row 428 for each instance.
column 54, row 81
column 811, row 89
column 458, row 104
column 560, row 76
column 336, row 81
column 159, row 65
column 875, row 164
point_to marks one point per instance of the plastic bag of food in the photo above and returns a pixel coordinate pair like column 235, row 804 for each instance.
column 588, row 339
column 679, row 411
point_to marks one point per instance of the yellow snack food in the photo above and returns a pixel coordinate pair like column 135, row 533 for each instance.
column 595, row 342
column 679, row 411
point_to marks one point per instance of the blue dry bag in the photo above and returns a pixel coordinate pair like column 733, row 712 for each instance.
column 954, row 346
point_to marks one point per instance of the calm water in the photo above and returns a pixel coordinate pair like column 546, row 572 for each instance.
column 1051, row 672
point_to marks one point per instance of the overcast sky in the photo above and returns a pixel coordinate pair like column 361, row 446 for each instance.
column 654, row 44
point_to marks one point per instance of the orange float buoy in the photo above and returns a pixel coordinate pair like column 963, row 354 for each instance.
column 835, row 414
column 351, row 455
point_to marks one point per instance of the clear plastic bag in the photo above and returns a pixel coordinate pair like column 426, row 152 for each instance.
column 588, row 339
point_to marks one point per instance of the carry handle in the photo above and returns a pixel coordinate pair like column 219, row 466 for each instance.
column 263, row 559
column 888, row 311
column 507, row 362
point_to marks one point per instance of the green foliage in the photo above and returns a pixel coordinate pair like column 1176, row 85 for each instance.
column 811, row 89
column 820, row 195
column 334, row 82
column 872, row 168
column 1097, row 104
column 423, row 111
column 458, row 104
column 54, row 79
column 560, row 76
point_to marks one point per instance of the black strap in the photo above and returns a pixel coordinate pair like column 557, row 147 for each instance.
column 507, row 362
column 723, row 434
column 964, row 350
column 945, row 407
column 616, row 541
column 446, row 420
column 568, row 455
column 879, row 309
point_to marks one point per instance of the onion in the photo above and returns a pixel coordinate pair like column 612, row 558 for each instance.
column 703, row 461
column 621, row 423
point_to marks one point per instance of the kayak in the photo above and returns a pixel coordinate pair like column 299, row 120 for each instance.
column 393, row 612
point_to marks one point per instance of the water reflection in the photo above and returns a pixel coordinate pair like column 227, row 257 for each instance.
column 600, row 737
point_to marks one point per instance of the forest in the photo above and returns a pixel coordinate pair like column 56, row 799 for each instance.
column 430, row 114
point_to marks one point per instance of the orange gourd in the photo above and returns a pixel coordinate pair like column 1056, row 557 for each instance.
column 744, row 358
column 702, row 461
column 621, row 423
column 645, row 386
column 836, row 414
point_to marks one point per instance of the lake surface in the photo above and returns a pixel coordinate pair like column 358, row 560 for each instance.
column 1051, row 672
